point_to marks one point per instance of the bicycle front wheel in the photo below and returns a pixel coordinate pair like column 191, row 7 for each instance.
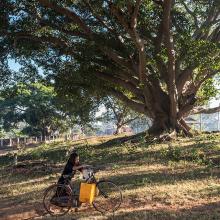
column 57, row 199
column 109, row 197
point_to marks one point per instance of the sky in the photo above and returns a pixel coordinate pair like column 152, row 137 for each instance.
column 14, row 65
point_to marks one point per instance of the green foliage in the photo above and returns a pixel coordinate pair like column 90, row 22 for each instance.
column 91, row 53
column 207, row 90
column 34, row 105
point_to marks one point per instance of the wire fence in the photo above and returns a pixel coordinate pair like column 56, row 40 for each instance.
column 205, row 122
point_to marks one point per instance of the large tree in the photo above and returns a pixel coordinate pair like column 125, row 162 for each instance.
column 156, row 56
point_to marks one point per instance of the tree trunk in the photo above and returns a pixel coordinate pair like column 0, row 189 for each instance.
column 163, row 123
column 44, row 133
column 116, row 131
column 118, row 126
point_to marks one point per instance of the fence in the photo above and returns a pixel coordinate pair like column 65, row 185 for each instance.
column 26, row 141
column 205, row 122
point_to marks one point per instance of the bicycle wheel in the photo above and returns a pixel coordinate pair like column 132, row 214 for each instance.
column 109, row 197
column 57, row 199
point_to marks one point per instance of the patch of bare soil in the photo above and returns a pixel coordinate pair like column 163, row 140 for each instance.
column 12, row 210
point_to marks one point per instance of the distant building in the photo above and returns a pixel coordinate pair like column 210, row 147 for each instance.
column 109, row 129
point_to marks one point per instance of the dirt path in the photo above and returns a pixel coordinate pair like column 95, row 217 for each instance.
column 131, row 210
column 12, row 209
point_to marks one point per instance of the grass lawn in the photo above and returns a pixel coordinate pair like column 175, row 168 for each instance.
column 179, row 180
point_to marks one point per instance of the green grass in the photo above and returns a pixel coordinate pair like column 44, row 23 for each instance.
column 179, row 180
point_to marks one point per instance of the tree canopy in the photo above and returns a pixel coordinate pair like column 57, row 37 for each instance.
column 157, row 56
column 35, row 106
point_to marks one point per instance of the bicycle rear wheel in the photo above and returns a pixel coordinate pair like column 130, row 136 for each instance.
column 57, row 199
column 109, row 197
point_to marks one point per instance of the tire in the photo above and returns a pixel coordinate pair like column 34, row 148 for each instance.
column 57, row 199
column 109, row 197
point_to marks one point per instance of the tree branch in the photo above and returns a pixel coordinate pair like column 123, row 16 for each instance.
column 54, row 40
column 168, row 41
column 135, row 14
column 182, row 78
column 132, row 104
column 200, row 110
column 131, row 30
column 73, row 16
column 157, row 45
column 215, row 35
column 58, row 43
column 191, row 13
column 99, row 18
column 62, row 29
column 208, row 75
column 203, row 30
column 67, row 12
column 117, row 81
column 117, row 58
column 129, row 120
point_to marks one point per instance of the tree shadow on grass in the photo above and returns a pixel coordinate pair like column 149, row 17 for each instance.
column 120, row 140
column 53, row 154
column 112, row 152
column 201, row 145
column 13, row 177
column 14, row 206
column 118, row 155
column 209, row 211
column 210, row 191
column 133, row 181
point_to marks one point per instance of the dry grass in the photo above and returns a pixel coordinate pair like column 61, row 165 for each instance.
column 159, row 181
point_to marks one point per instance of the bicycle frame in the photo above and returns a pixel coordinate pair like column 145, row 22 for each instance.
column 74, row 196
column 91, row 179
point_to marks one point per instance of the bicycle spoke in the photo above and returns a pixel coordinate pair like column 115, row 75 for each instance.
column 57, row 200
column 109, row 198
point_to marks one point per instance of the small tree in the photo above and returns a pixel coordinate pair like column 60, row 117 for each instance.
column 118, row 113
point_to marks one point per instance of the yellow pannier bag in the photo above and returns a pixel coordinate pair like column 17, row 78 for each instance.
column 87, row 192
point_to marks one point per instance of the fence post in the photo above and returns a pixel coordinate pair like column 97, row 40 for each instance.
column 10, row 142
column 15, row 159
column 218, row 120
column 18, row 141
column 200, row 122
